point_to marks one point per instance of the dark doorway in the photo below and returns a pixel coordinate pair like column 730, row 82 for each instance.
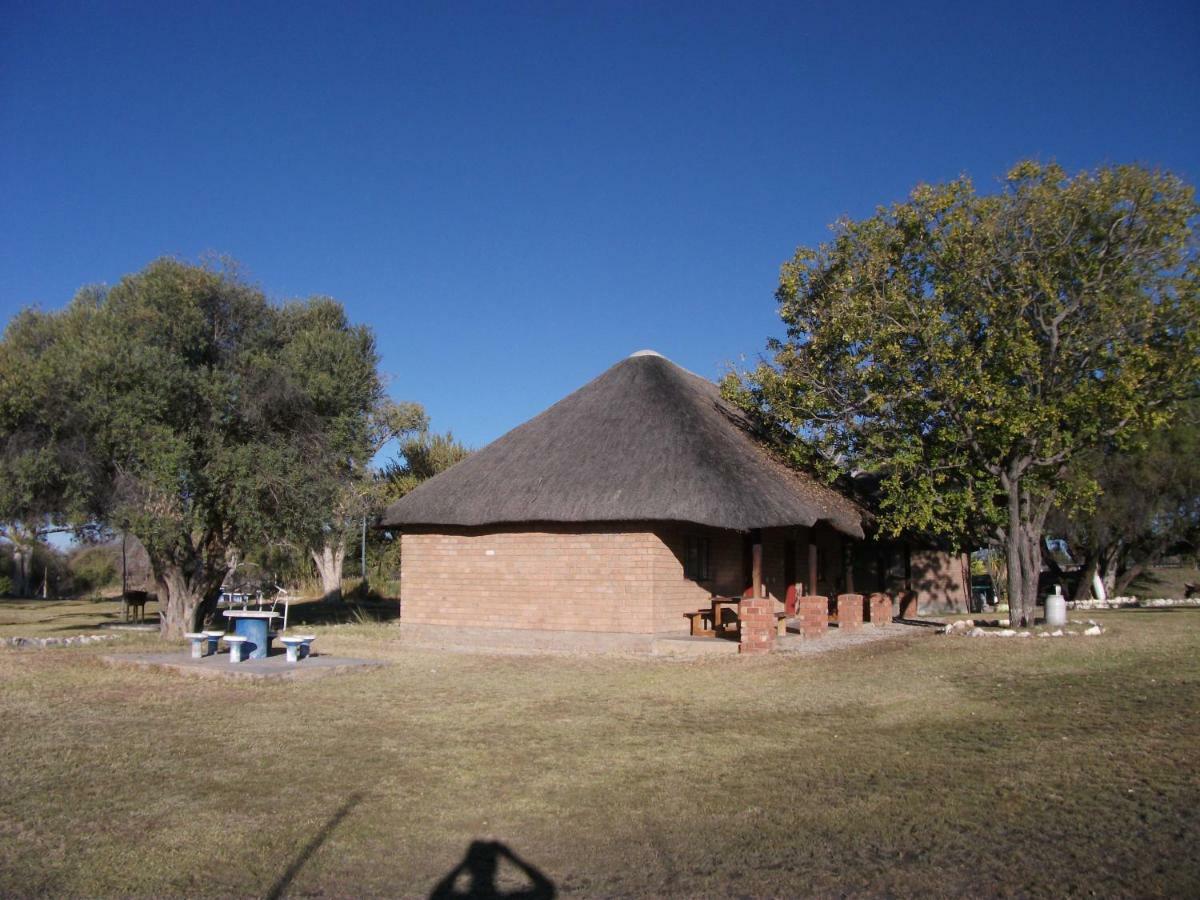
column 789, row 576
column 748, row 541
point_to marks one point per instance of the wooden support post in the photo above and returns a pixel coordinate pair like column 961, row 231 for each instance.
column 812, row 566
column 848, row 560
column 756, row 569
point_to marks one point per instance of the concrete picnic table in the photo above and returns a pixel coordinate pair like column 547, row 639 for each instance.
column 255, row 626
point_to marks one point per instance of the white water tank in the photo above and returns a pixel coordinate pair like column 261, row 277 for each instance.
column 1056, row 607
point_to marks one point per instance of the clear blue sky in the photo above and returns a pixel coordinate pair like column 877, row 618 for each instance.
column 515, row 196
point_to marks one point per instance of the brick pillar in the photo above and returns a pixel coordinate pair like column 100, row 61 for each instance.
column 880, row 610
column 850, row 612
column 908, row 604
column 812, row 614
column 756, row 618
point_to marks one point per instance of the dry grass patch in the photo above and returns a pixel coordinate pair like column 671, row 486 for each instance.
column 928, row 765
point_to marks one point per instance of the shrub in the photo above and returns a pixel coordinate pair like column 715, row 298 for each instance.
column 93, row 568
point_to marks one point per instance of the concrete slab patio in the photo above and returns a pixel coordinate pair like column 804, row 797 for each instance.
column 790, row 643
column 273, row 668
column 518, row 641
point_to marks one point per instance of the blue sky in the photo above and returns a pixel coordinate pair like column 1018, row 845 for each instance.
column 515, row 196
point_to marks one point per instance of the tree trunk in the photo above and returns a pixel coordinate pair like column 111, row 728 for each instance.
column 22, row 570
column 1023, row 548
column 1013, row 553
column 1033, row 570
column 185, row 602
column 1108, row 573
column 1083, row 589
column 329, row 567
column 1127, row 578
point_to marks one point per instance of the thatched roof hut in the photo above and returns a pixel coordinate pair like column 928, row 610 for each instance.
column 645, row 441
column 630, row 506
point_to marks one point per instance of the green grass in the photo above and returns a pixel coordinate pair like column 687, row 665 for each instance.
column 936, row 765
column 61, row 618
column 1165, row 581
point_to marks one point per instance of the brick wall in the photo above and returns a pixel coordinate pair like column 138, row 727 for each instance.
column 939, row 580
column 812, row 615
column 756, row 616
column 585, row 579
column 850, row 612
column 619, row 577
column 598, row 577
column 879, row 610
column 908, row 604
column 674, row 594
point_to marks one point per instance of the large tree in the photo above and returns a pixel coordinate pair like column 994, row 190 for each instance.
column 182, row 406
column 45, row 471
column 969, row 346
column 352, row 486
column 1148, row 504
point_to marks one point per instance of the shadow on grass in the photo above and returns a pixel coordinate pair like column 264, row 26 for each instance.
column 479, row 867
column 340, row 612
column 77, row 615
column 1142, row 609
column 285, row 880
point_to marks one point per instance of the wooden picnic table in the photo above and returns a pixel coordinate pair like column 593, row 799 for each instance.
column 713, row 622
column 719, row 606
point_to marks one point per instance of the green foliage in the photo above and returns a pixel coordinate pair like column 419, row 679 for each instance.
column 1146, row 504
column 184, row 404
column 92, row 568
column 968, row 346
column 5, row 586
column 421, row 456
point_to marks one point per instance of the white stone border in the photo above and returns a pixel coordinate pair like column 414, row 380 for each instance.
column 973, row 628
column 33, row 643
column 1134, row 603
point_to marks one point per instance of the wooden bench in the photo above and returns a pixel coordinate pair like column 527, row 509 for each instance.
column 701, row 622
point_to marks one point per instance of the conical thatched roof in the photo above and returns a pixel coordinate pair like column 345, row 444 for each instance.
column 646, row 440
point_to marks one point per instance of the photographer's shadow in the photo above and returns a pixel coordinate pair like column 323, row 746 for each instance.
column 475, row 877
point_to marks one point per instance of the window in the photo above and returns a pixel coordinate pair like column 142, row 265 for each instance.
column 695, row 558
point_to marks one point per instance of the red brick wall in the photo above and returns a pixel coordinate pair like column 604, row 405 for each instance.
column 622, row 577
column 596, row 577
column 938, row 578
column 756, row 616
column 812, row 614
column 674, row 594
column 850, row 612
column 582, row 580
column 879, row 608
